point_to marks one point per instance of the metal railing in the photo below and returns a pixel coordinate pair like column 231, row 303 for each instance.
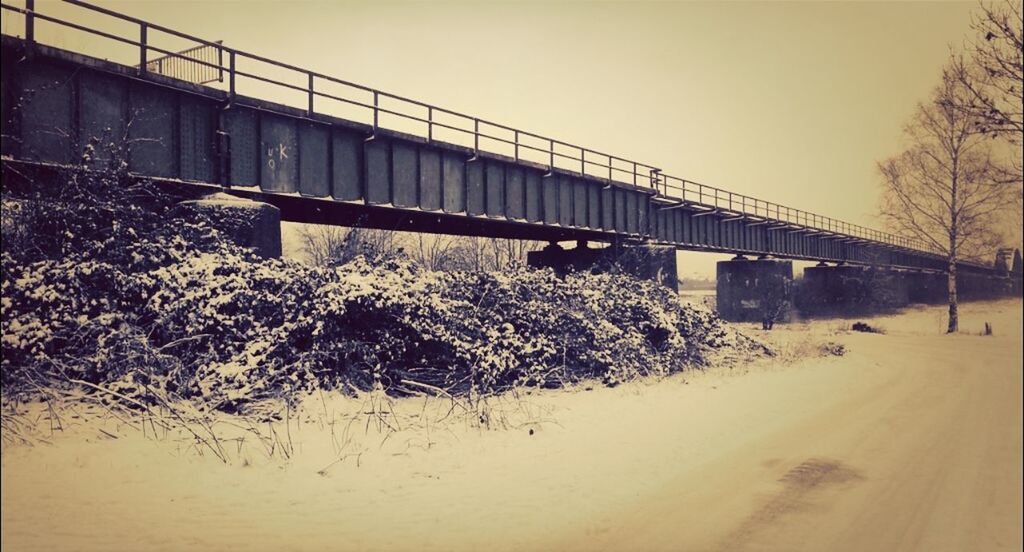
column 182, row 65
column 673, row 192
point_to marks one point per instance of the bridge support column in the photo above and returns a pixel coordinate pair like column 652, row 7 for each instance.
column 974, row 287
column 846, row 289
column 1016, row 274
column 749, row 290
column 1007, row 273
column 246, row 222
column 650, row 262
column 927, row 287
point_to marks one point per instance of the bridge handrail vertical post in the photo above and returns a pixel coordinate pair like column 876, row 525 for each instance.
column 143, row 31
column 376, row 111
column 515, row 139
column 30, row 22
column 231, row 77
column 220, row 61
column 551, row 157
column 430, row 125
column 310, row 93
column 476, row 138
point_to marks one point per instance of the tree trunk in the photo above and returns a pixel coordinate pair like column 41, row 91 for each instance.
column 954, row 319
column 954, row 231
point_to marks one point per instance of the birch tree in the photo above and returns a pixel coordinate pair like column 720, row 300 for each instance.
column 946, row 187
column 991, row 71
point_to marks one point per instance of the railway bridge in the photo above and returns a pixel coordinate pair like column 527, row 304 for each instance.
column 330, row 151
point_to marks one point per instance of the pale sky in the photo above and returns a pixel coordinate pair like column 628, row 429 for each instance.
column 789, row 102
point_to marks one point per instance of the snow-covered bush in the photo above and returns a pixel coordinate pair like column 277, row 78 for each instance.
column 225, row 325
column 151, row 302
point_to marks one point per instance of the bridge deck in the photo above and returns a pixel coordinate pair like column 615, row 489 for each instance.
column 325, row 169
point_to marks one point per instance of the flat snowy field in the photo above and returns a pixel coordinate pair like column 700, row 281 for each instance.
column 910, row 441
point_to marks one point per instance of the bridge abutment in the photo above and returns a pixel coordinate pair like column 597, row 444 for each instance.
column 754, row 290
column 650, row 262
column 246, row 222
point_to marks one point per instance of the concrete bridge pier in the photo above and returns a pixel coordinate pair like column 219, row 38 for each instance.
column 754, row 290
column 973, row 287
column 849, row 289
column 246, row 222
column 1017, row 274
column 927, row 287
column 650, row 262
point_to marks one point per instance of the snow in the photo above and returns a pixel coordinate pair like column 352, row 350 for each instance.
column 910, row 441
column 228, row 200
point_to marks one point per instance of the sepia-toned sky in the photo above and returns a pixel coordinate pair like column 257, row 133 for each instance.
column 790, row 102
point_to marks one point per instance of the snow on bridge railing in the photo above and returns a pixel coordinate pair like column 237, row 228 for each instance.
column 428, row 121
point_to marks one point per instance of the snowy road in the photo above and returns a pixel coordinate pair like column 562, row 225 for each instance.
column 912, row 441
column 925, row 454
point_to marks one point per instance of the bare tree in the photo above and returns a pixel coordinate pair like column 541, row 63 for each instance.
column 945, row 188
column 508, row 253
column 324, row 245
column 992, row 76
column 994, row 73
column 470, row 254
column 484, row 254
column 337, row 245
column 434, row 251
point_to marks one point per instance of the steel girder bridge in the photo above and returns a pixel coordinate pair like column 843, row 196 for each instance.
column 337, row 152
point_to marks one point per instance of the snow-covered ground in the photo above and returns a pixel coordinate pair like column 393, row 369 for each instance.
column 702, row 297
column 910, row 441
